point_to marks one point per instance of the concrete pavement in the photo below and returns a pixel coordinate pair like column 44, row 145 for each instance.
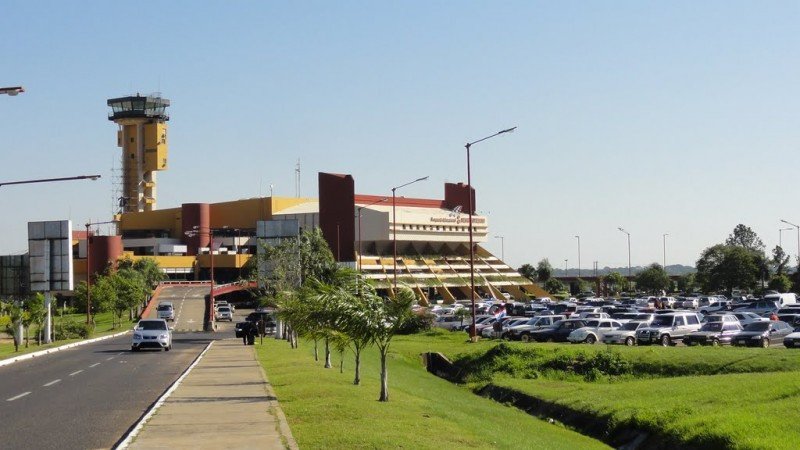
column 224, row 402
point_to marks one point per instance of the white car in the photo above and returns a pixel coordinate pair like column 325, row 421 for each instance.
column 225, row 313
column 593, row 331
column 792, row 339
column 165, row 311
column 625, row 334
column 746, row 317
column 152, row 333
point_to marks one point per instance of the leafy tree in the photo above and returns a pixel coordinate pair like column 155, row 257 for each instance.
column 687, row 283
column 615, row 282
column 527, row 271
column 554, row 286
column 36, row 314
column 386, row 317
column 727, row 267
column 544, row 271
column 779, row 260
column 16, row 315
column 653, row 279
column 780, row 283
column 743, row 236
column 150, row 270
column 131, row 288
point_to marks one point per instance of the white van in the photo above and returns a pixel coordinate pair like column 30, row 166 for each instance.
column 782, row 299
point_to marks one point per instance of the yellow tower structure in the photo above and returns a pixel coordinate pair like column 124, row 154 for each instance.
column 142, row 135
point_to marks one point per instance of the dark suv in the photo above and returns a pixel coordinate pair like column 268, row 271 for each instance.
column 558, row 332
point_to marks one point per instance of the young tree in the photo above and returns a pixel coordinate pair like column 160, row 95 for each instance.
column 615, row 282
column 527, row 271
column 779, row 260
column 36, row 314
column 131, row 288
column 653, row 279
column 780, row 283
column 687, row 283
column 554, row 286
column 544, row 271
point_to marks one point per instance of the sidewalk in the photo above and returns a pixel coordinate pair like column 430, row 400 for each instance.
column 224, row 402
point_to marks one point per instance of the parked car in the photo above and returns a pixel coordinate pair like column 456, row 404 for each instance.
column 720, row 305
column 668, row 329
column 165, row 311
column 626, row 334
column 593, row 331
column 151, row 333
column 224, row 313
column 721, row 317
column 558, row 332
column 763, row 334
column 623, row 317
column 498, row 330
column 792, row 340
column 713, row 333
column 588, row 315
column 450, row 322
column 782, row 299
column 790, row 314
column 522, row 332
column 760, row 307
column 746, row 318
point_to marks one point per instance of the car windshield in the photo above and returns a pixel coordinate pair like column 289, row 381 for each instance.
column 630, row 326
column 224, row 309
column 757, row 326
column 662, row 321
column 164, row 307
column 152, row 325
column 592, row 323
column 642, row 317
column 712, row 326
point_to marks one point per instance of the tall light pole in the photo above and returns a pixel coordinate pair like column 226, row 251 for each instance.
column 12, row 91
column 629, row 250
column 780, row 236
column 502, row 247
column 798, row 239
column 473, row 335
column 664, row 237
column 566, row 271
column 394, row 223
column 384, row 199
column 579, row 255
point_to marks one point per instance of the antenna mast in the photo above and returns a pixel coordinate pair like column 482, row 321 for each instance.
column 297, row 179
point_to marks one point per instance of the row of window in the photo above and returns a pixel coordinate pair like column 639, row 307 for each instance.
column 437, row 228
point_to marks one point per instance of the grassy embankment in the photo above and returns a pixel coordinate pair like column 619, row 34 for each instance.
column 325, row 410
column 103, row 322
column 682, row 397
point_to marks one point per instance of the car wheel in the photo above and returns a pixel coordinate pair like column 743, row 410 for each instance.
column 134, row 349
column 629, row 341
column 715, row 342
column 666, row 341
column 591, row 339
column 525, row 337
column 765, row 343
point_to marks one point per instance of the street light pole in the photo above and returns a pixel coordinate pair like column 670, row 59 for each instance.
column 780, row 236
column 664, row 236
column 629, row 250
column 798, row 239
column 502, row 247
column 473, row 335
column 360, row 208
column 566, row 270
column 394, row 224
column 49, row 180
column 579, row 255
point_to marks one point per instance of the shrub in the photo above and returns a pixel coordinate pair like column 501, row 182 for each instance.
column 418, row 323
column 73, row 330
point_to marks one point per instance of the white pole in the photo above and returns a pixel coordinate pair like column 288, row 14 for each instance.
column 48, row 319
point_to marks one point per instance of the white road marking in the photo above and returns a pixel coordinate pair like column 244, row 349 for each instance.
column 94, row 365
column 121, row 353
column 52, row 383
column 18, row 396
column 109, row 358
column 75, row 373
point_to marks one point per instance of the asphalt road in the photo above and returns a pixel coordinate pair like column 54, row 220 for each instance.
column 189, row 305
column 89, row 396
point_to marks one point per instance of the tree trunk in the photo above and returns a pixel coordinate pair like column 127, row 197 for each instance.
column 357, row 379
column 294, row 339
column 327, row 354
column 341, row 362
column 27, row 336
column 316, row 352
column 384, row 376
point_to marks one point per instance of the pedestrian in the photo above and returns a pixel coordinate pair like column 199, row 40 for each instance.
column 773, row 316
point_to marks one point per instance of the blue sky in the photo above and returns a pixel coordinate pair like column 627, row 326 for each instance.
column 661, row 117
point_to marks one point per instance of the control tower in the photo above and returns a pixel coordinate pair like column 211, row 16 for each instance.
column 143, row 137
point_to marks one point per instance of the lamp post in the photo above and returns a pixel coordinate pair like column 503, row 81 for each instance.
column 12, row 91
column 49, row 180
column 468, row 145
column 798, row 238
column 629, row 250
column 579, row 255
column 780, row 235
column 384, row 199
column 664, row 237
column 502, row 247
column 394, row 223
column 194, row 232
column 89, row 271
column 566, row 270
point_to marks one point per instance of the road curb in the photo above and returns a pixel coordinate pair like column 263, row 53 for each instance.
column 134, row 431
column 32, row 355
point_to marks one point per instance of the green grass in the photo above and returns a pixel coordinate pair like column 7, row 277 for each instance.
column 103, row 323
column 691, row 397
column 325, row 410
column 740, row 411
